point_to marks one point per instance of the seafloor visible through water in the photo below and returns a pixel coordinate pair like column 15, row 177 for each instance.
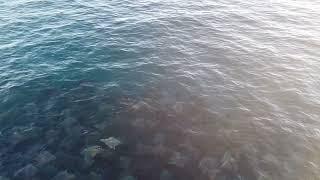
column 159, row 90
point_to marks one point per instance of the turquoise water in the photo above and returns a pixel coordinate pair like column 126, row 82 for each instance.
column 203, row 90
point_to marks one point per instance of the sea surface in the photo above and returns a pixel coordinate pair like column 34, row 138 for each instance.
column 159, row 90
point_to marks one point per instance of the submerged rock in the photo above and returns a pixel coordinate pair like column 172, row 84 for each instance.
column 111, row 142
column 26, row 172
column 64, row 175
column 44, row 158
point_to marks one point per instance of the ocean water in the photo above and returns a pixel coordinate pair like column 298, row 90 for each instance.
column 193, row 90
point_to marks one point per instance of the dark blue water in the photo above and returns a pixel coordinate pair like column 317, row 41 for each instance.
column 199, row 90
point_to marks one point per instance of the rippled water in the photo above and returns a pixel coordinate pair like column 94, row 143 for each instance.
column 211, row 89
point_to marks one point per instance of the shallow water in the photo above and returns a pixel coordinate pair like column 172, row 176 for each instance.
column 210, row 90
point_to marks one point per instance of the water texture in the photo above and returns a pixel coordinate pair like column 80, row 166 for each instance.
column 149, row 89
